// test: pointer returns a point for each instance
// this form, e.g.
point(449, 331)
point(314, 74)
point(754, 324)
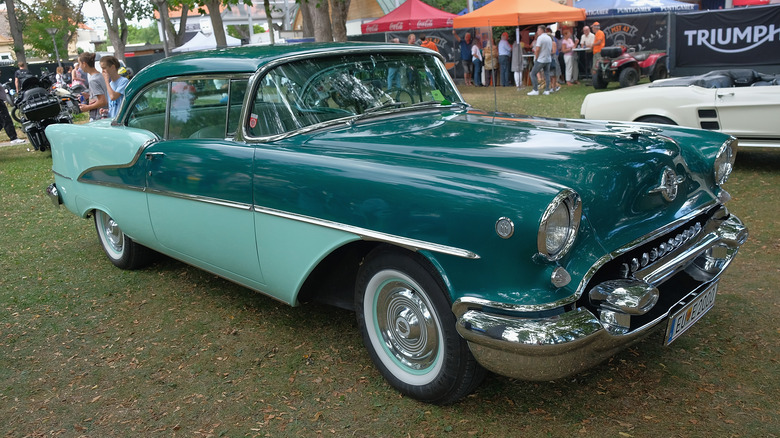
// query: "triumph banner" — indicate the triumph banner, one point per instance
point(736, 37)
point(642, 32)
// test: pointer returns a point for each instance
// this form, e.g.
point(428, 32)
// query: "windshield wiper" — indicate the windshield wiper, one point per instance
point(386, 105)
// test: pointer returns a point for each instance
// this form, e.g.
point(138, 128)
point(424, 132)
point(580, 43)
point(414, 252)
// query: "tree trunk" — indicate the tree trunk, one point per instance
point(117, 27)
point(338, 17)
point(267, 5)
point(308, 22)
point(216, 22)
point(16, 31)
point(321, 19)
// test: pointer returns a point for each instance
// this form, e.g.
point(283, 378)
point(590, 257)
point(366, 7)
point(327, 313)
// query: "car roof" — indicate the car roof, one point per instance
point(248, 59)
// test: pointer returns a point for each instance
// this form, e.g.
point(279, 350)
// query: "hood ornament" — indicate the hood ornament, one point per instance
point(623, 131)
point(669, 184)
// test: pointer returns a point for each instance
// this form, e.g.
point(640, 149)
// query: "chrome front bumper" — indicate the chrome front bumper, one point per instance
point(553, 347)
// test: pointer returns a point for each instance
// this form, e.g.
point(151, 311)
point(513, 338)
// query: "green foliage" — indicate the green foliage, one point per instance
point(451, 6)
point(242, 31)
point(38, 16)
point(143, 35)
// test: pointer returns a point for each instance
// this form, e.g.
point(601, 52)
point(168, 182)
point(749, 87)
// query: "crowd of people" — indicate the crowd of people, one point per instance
point(102, 95)
point(554, 58)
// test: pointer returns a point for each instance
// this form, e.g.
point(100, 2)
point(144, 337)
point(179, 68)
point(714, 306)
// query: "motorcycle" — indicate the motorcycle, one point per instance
point(39, 104)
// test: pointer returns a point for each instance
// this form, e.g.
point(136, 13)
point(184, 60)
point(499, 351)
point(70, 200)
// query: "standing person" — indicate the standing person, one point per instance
point(116, 84)
point(518, 63)
point(567, 47)
point(411, 39)
point(465, 55)
point(59, 78)
point(393, 75)
point(555, 67)
point(19, 75)
point(5, 118)
point(476, 59)
point(543, 57)
point(97, 87)
point(504, 58)
point(586, 42)
point(428, 43)
point(77, 75)
point(599, 41)
point(490, 57)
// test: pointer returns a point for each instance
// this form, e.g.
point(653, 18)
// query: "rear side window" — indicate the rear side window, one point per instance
point(148, 111)
point(197, 108)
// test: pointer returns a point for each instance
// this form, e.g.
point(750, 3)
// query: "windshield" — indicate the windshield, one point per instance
point(312, 91)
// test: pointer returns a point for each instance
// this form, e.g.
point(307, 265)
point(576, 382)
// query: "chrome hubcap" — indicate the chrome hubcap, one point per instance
point(407, 325)
point(114, 236)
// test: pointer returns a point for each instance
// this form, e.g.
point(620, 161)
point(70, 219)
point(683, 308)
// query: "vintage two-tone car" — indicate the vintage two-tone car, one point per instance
point(743, 103)
point(463, 240)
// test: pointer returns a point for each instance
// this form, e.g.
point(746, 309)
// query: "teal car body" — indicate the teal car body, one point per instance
point(356, 175)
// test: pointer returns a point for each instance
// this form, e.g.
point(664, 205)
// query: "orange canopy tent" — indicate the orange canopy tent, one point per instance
point(519, 13)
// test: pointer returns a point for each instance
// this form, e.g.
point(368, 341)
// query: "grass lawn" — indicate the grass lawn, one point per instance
point(90, 350)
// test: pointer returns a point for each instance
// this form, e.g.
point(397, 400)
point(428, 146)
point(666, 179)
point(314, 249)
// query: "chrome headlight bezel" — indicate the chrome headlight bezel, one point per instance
point(724, 161)
point(554, 242)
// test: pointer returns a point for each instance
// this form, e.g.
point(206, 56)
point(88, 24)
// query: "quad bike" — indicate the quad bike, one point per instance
point(626, 66)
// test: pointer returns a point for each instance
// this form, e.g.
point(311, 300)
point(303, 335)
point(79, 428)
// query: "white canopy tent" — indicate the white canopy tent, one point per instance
point(202, 41)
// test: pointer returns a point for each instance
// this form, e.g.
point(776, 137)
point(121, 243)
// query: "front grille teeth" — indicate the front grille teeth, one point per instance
point(646, 258)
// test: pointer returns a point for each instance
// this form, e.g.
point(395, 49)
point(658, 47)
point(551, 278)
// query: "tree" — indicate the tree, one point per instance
point(325, 20)
point(216, 16)
point(35, 18)
point(16, 31)
point(174, 38)
point(143, 35)
point(121, 11)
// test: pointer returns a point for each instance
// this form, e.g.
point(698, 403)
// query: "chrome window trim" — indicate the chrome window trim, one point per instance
point(371, 235)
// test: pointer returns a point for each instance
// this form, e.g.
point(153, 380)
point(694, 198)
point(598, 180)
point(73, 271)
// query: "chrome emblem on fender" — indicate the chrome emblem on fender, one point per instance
point(669, 183)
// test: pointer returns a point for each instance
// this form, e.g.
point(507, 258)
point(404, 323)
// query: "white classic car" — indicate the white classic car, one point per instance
point(743, 103)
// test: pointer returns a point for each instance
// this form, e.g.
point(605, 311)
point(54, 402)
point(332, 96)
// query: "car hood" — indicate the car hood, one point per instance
point(617, 176)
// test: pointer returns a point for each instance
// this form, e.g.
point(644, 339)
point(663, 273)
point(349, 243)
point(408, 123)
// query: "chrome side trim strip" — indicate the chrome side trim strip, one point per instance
point(61, 175)
point(203, 199)
point(370, 235)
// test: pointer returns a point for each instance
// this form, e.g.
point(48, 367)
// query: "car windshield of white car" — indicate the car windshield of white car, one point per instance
point(310, 92)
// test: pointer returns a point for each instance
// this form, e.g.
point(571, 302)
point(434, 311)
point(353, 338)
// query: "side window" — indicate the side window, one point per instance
point(198, 109)
point(148, 111)
point(236, 102)
point(272, 113)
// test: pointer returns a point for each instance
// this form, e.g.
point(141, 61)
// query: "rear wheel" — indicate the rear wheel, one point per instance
point(123, 252)
point(656, 119)
point(628, 77)
point(660, 72)
point(409, 330)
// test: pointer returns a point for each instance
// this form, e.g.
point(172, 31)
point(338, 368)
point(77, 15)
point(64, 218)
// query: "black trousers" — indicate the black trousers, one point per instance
point(7, 121)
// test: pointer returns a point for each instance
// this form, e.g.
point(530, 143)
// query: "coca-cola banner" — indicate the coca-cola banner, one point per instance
point(743, 37)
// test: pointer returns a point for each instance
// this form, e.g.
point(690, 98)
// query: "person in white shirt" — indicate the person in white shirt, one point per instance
point(586, 42)
point(504, 58)
point(542, 59)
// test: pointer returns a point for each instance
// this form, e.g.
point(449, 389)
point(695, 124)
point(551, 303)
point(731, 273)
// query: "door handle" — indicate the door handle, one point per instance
point(722, 95)
point(152, 155)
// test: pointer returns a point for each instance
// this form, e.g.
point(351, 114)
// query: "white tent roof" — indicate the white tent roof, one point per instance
point(202, 41)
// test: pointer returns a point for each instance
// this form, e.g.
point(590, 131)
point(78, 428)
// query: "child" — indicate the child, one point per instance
point(116, 84)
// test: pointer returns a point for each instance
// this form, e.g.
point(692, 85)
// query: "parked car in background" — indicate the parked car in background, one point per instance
point(356, 175)
point(743, 103)
point(625, 66)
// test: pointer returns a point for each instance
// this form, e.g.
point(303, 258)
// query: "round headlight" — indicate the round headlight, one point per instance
point(724, 162)
point(559, 225)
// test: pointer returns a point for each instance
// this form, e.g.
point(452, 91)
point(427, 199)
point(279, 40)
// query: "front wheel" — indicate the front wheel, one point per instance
point(123, 252)
point(409, 330)
point(628, 77)
point(599, 83)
